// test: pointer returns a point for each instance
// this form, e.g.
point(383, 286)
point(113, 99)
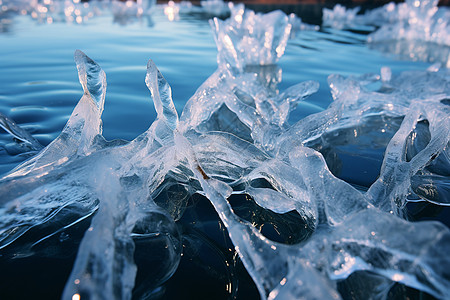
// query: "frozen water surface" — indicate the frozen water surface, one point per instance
point(334, 183)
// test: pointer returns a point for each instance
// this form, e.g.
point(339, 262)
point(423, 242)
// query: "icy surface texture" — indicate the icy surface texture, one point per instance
point(248, 38)
point(297, 25)
point(301, 181)
point(216, 7)
point(408, 96)
point(414, 20)
point(172, 10)
point(339, 17)
point(234, 138)
point(319, 197)
point(419, 20)
point(415, 29)
point(17, 132)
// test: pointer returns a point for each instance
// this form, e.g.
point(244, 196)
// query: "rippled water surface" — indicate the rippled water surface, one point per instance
point(39, 89)
point(39, 85)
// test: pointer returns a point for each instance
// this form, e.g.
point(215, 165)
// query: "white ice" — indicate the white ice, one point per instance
point(77, 12)
point(414, 29)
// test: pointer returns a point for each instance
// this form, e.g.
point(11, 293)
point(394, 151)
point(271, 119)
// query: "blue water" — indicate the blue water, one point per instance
point(39, 88)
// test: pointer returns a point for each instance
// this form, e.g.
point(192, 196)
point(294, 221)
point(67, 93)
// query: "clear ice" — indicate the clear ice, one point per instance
point(419, 20)
point(233, 134)
point(49, 11)
point(414, 29)
point(216, 7)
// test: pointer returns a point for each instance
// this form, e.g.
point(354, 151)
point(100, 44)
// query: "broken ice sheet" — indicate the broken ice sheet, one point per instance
point(219, 161)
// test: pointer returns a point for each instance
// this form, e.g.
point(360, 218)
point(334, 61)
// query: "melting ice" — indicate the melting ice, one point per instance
point(75, 11)
point(417, 30)
point(233, 134)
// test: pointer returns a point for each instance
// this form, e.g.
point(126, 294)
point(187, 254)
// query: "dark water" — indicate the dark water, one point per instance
point(39, 88)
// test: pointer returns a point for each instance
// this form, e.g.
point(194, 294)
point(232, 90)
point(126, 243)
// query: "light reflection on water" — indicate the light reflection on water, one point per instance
point(184, 51)
point(39, 85)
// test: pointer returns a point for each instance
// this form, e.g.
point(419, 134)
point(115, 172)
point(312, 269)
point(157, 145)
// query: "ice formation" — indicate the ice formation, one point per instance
point(412, 20)
point(216, 7)
point(17, 132)
point(297, 25)
point(232, 138)
point(76, 11)
point(251, 38)
point(415, 29)
point(339, 17)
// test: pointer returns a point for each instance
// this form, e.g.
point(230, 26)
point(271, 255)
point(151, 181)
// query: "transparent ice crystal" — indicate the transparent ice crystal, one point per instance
point(216, 7)
point(233, 135)
point(415, 29)
point(413, 20)
point(76, 11)
point(419, 20)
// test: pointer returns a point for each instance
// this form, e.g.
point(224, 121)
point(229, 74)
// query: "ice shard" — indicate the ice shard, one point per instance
point(248, 38)
point(22, 206)
point(100, 180)
point(104, 268)
point(414, 30)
